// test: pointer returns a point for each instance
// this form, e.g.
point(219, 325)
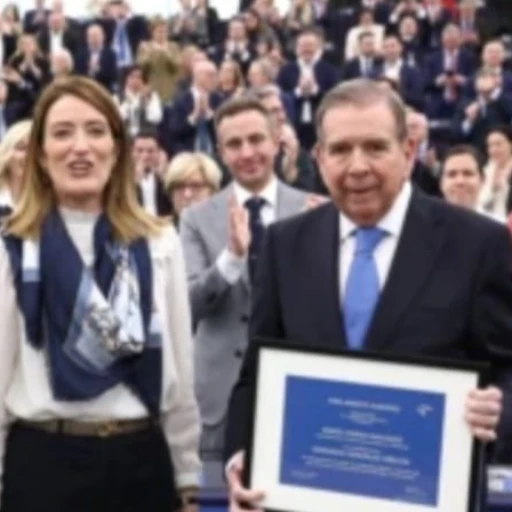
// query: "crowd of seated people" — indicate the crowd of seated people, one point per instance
point(169, 77)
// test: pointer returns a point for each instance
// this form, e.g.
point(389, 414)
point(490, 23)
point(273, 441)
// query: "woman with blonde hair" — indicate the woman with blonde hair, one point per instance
point(13, 152)
point(97, 401)
point(191, 178)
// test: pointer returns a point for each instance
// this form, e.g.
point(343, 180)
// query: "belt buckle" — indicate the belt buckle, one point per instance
point(109, 428)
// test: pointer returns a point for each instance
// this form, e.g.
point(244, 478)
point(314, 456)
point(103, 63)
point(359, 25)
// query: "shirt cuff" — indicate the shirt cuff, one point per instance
point(188, 480)
point(230, 266)
point(466, 126)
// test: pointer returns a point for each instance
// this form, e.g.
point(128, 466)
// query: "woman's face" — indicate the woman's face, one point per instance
point(499, 148)
point(190, 190)
point(18, 157)
point(78, 153)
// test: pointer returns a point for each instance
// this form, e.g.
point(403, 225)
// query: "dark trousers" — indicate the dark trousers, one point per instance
point(62, 473)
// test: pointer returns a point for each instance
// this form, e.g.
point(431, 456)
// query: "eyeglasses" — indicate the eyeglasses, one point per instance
point(191, 186)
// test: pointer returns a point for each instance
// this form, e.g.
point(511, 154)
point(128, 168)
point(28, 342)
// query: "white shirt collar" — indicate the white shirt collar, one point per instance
point(313, 62)
point(391, 223)
point(6, 197)
point(394, 65)
point(269, 193)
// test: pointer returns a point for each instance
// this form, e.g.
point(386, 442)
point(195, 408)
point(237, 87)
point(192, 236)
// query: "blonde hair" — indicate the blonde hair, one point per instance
point(15, 134)
point(186, 164)
point(128, 218)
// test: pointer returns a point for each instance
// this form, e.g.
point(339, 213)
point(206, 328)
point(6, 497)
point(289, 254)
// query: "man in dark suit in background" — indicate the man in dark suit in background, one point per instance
point(35, 19)
point(97, 60)
point(307, 79)
point(437, 280)
point(491, 107)
point(448, 72)
point(191, 119)
point(368, 64)
point(148, 173)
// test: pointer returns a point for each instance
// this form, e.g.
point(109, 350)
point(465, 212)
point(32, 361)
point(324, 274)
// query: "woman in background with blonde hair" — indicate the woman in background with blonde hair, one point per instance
point(13, 152)
point(191, 178)
point(97, 406)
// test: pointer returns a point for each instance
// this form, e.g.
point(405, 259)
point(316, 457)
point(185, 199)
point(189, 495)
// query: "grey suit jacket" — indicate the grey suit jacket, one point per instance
point(220, 310)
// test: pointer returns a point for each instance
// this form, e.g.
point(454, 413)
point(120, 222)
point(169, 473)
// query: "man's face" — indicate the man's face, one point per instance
point(392, 49)
point(95, 37)
point(248, 147)
point(362, 161)
point(308, 45)
point(451, 38)
point(237, 31)
point(274, 106)
point(461, 181)
point(367, 46)
point(493, 55)
point(205, 75)
point(145, 153)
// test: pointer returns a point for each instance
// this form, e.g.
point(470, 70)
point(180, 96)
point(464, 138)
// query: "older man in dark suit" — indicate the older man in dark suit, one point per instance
point(307, 79)
point(437, 280)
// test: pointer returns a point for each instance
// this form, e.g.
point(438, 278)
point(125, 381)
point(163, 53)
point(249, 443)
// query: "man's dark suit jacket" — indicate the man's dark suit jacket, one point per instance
point(448, 293)
point(136, 31)
point(183, 133)
point(107, 72)
point(163, 205)
point(29, 21)
point(498, 112)
point(71, 40)
point(352, 69)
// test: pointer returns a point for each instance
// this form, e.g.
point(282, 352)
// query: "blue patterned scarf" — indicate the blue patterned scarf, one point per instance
point(98, 324)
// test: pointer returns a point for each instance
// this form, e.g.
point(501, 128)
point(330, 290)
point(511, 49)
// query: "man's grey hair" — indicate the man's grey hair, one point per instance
point(363, 93)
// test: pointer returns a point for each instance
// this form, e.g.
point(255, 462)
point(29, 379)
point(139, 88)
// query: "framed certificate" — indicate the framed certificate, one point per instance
point(359, 432)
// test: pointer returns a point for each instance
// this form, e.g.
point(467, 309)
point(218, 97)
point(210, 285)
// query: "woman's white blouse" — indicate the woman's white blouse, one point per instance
point(24, 381)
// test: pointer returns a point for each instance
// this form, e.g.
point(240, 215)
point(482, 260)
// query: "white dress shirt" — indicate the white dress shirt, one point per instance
point(307, 72)
point(56, 41)
point(148, 189)
point(392, 70)
point(228, 264)
point(392, 223)
point(25, 387)
point(131, 105)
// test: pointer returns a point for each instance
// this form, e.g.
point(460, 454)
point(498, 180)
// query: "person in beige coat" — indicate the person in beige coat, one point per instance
point(161, 60)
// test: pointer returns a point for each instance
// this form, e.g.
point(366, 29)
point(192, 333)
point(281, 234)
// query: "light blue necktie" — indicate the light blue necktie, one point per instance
point(362, 287)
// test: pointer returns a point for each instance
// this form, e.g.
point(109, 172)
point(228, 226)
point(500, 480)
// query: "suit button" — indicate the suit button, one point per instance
point(239, 354)
point(244, 319)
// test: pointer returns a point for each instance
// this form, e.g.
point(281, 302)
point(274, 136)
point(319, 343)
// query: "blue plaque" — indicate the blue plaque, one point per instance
point(366, 440)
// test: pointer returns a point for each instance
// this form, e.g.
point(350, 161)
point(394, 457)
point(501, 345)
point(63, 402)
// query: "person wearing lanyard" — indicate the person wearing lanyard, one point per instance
point(97, 403)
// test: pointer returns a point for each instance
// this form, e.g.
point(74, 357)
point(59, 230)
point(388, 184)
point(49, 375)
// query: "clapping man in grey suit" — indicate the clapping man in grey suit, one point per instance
point(221, 238)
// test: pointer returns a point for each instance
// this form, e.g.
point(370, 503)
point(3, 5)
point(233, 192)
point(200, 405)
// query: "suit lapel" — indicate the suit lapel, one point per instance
point(417, 252)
